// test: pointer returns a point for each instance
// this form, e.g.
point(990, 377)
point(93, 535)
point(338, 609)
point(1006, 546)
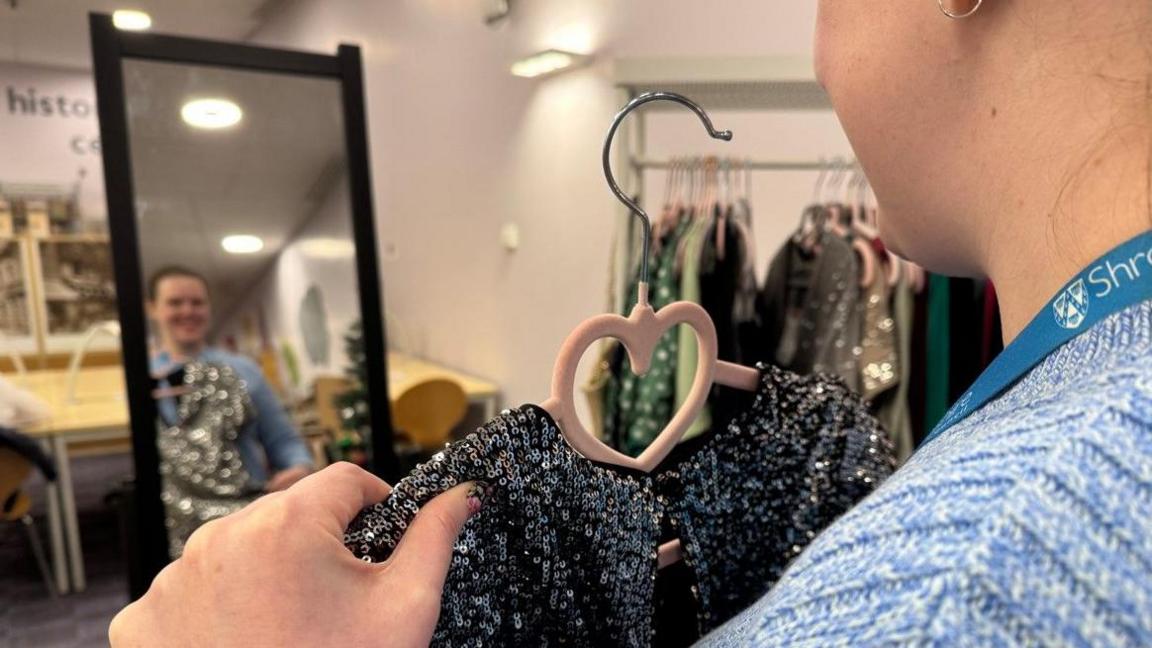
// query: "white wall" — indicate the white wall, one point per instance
point(459, 147)
point(320, 254)
point(49, 133)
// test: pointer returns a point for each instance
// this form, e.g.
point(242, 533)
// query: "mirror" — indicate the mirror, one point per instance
point(239, 205)
point(248, 260)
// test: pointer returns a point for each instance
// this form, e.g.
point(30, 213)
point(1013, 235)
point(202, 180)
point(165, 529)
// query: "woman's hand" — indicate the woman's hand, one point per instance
point(277, 573)
point(285, 478)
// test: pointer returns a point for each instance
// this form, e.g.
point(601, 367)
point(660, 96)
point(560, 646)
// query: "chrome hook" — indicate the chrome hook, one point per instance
point(645, 221)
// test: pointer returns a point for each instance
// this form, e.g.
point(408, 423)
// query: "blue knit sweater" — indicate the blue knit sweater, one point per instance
point(1029, 523)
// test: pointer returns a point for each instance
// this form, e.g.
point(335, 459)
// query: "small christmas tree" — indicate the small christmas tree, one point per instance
point(354, 438)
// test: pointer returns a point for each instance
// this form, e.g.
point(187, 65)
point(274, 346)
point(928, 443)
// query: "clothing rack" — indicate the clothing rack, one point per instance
point(641, 164)
point(744, 84)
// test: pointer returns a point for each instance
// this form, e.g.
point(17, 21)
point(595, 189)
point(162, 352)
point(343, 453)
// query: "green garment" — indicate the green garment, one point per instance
point(939, 320)
point(690, 291)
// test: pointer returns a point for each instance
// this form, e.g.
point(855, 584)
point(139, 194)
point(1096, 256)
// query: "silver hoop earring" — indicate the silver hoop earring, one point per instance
point(958, 16)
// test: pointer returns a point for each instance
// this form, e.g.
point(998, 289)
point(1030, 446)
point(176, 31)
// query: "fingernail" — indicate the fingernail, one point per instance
point(476, 496)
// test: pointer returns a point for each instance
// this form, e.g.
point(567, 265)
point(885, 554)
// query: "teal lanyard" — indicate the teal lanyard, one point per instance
point(1117, 280)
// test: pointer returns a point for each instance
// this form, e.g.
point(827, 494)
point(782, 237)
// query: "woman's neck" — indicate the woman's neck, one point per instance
point(182, 353)
point(1038, 250)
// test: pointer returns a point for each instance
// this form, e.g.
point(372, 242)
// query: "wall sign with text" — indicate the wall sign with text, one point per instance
point(51, 136)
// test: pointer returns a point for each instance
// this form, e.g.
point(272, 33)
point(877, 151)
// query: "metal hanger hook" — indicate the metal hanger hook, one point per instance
point(647, 97)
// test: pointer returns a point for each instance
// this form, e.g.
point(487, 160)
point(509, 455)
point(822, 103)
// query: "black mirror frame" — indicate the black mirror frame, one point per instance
point(148, 550)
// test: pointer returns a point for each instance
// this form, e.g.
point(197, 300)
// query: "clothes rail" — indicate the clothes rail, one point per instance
point(757, 165)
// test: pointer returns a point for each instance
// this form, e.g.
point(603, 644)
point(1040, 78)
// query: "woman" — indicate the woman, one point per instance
point(1010, 140)
point(272, 451)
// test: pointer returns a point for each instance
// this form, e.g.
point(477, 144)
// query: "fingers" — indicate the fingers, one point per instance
point(425, 551)
point(120, 633)
point(135, 623)
point(335, 495)
point(285, 478)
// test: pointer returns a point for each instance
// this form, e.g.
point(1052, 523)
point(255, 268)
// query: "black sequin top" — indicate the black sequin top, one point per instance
point(564, 550)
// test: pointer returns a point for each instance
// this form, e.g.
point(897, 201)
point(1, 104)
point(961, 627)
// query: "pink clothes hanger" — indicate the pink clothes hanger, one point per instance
point(869, 211)
point(639, 333)
point(836, 225)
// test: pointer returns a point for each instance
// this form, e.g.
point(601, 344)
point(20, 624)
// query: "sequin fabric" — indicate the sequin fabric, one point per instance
point(809, 307)
point(564, 550)
point(876, 356)
point(201, 472)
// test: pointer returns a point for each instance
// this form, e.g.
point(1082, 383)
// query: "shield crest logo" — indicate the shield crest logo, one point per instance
point(1071, 307)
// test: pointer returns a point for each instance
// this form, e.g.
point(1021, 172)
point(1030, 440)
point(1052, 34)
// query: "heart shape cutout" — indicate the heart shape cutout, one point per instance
point(639, 333)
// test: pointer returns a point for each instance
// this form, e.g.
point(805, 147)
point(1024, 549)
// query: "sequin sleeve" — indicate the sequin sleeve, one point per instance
point(752, 499)
point(376, 531)
point(563, 552)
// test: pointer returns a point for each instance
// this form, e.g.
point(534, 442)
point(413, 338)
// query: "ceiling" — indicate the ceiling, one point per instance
point(55, 32)
point(266, 176)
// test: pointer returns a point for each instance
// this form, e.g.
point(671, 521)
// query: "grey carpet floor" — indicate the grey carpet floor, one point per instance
point(29, 615)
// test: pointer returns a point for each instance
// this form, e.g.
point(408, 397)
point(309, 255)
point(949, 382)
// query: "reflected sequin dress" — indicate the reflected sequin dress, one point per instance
point(202, 475)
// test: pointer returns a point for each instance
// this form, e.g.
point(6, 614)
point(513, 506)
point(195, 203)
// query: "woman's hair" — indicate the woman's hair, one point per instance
point(172, 271)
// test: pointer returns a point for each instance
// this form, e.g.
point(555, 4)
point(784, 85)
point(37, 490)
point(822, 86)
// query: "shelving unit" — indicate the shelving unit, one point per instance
point(52, 289)
point(17, 315)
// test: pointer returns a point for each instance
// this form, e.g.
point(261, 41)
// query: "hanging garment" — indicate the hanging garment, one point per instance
point(719, 280)
point(639, 406)
point(692, 245)
point(878, 361)
point(720, 274)
point(918, 382)
point(613, 393)
point(564, 550)
point(780, 303)
point(894, 412)
point(744, 307)
point(828, 334)
point(201, 472)
point(938, 356)
point(594, 388)
point(966, 335)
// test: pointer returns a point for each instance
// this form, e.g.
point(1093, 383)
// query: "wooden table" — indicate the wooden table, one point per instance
point(100, 413)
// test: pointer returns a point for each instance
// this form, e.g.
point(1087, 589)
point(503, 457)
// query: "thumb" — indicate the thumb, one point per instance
point(425, 551)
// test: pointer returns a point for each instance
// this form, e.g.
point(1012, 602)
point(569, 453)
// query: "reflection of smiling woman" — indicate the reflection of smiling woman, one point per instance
point(179, 307)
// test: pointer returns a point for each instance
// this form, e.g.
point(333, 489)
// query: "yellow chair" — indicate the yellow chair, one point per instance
point(427, 412)
point(15, 505)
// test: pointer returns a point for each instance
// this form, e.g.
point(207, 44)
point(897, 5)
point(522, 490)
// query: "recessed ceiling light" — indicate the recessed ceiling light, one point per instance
point(546, 62)
point(328, 248)
point(131, 20)
point(242, 244)
point(211, 113)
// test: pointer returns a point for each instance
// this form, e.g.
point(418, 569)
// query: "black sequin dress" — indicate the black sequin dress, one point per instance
point(564, 550)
